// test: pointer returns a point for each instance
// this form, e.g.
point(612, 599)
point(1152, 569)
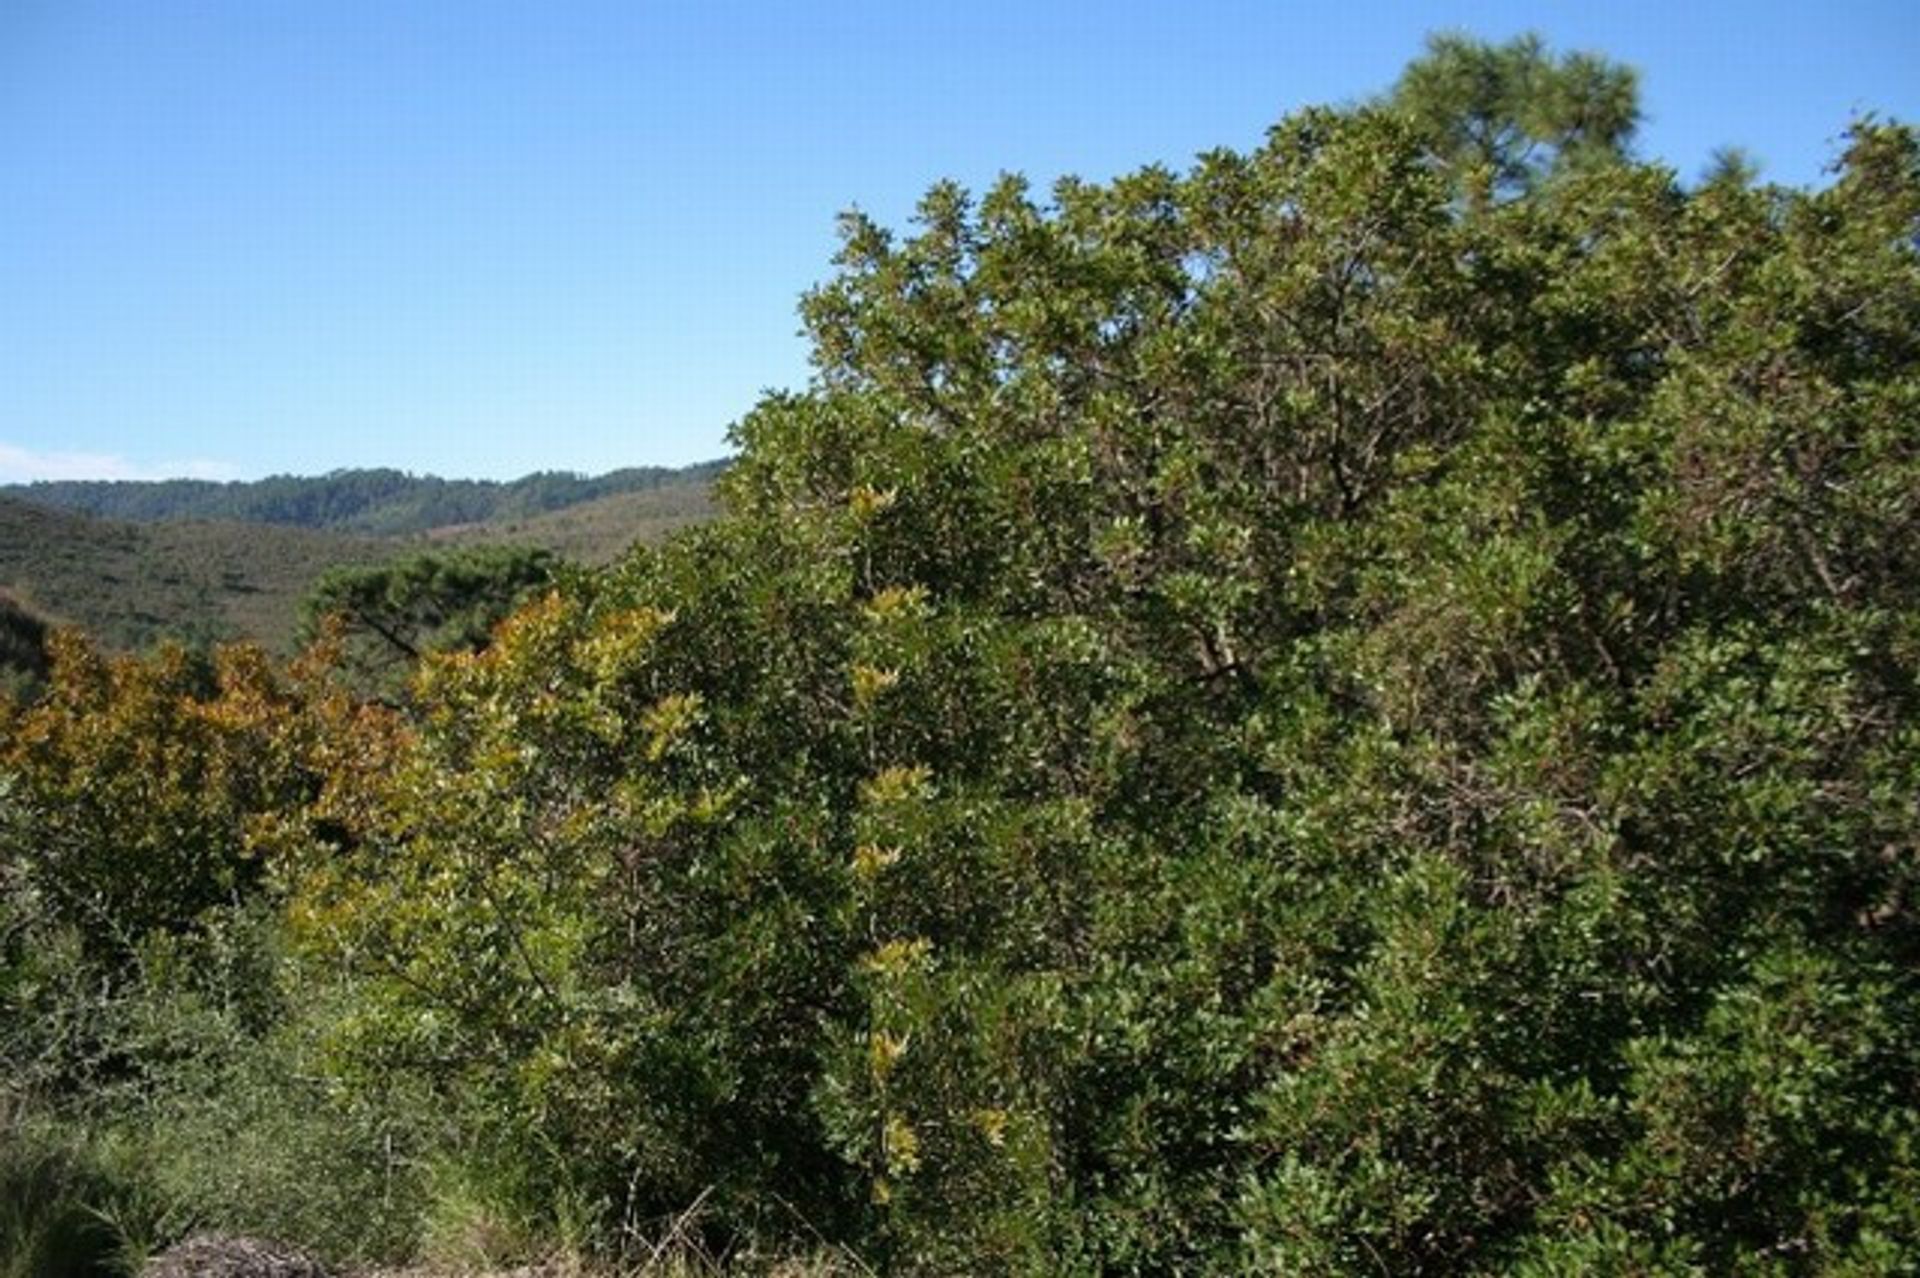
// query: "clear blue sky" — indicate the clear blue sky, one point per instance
point(483, 238)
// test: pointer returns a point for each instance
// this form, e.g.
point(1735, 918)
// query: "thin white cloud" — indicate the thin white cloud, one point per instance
point(26, 465)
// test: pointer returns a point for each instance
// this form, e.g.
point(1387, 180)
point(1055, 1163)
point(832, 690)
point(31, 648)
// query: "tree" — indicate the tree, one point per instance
point(392, 615)
point(23, 648)
point(1502, 117)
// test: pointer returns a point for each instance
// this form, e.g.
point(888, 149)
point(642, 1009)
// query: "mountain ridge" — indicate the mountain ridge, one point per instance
point(371, 500)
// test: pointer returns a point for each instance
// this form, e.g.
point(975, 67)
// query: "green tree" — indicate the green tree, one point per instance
point(391, 615)
point(1501, 117)
point(1250, 719)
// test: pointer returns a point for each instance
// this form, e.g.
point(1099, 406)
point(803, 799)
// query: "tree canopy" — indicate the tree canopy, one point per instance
point(1502, 117)
point(396, 613)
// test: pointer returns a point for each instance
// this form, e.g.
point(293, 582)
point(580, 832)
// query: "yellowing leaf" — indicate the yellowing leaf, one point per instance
point(899, 955)
point(884, 1051)
point(869, 859)
point(901, 1146)
point(992, 1124)
point(897, 603)
point(669, 719)
point(866, 501)
point(869, 682)
point(895, 784)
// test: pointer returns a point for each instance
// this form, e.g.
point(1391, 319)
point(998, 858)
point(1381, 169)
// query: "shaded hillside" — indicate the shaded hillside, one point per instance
point(132, 584)
point(23, 645)
point(381, 502)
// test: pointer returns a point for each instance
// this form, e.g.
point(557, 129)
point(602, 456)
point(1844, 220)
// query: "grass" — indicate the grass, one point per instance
point(63, 1212)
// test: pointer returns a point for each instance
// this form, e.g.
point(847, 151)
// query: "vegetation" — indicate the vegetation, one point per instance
point(1332, 713)
point(133, 585)
point(394, 614)
point(1500, 119)
point(23, 647)
point(198, 581)
point(595, 532)
point(377, 502)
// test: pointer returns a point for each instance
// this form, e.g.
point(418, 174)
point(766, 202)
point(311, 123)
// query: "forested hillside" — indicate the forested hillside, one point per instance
point(1352, 709)
point(382, 502)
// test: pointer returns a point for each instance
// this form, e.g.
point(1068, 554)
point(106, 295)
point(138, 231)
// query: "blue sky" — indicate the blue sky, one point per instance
point(482, 238)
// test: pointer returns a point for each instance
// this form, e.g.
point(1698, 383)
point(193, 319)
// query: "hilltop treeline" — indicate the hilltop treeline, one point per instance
point(378, 502)
point(1355, 709)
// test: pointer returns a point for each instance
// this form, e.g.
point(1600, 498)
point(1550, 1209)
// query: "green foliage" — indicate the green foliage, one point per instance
point(159, 1061)
point(1269, 719)
point(23, 648)
point(1260, 719)
point(1502, 117)
point(234, 1121)
point(202, 1102)
point(389, 616)
point(55, 1204)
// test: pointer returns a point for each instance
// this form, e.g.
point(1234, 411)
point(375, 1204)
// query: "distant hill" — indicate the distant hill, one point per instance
point(132, 584)
point(377, 502)
point(598, 531)
point(164, 569)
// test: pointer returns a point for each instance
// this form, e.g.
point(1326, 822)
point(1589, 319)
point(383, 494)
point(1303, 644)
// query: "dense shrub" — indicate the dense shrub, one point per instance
point(1256, 719)
point(157, 1058)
